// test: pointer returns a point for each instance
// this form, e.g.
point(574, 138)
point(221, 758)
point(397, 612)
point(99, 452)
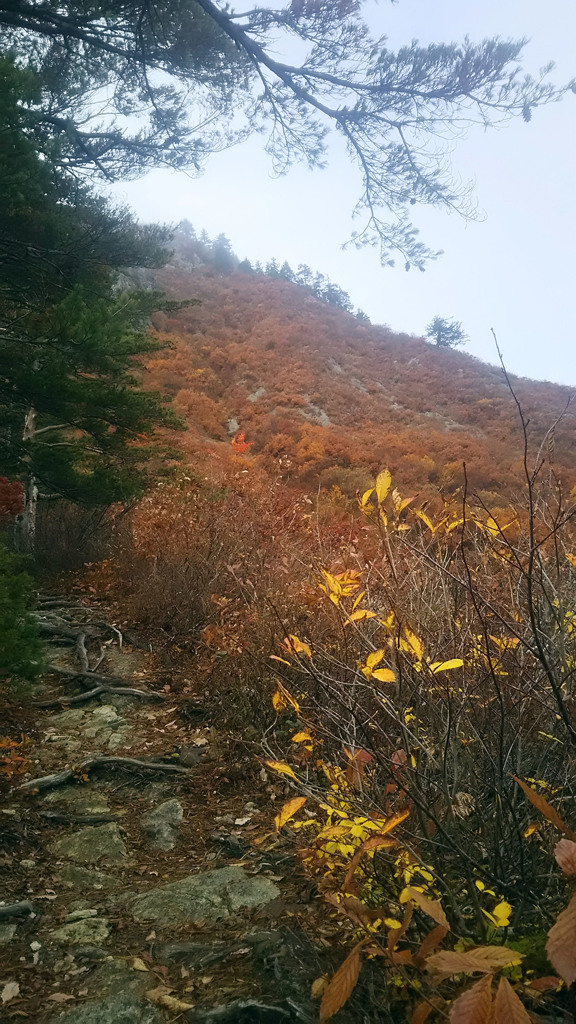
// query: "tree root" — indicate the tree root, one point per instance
point(59, 778)
point(81, 698)
point(78, 819)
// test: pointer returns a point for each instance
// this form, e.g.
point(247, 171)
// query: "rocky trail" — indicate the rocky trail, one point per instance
point(140, 878)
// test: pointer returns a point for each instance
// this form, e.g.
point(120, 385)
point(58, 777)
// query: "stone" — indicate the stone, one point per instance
point(80, 915)
point(89, 931)
point(242, 1011)
point(85, 799)
point(7, 933)
point(161, 824)
point(210, 895)
point(85, 878)
point(118, 1008)
point(100, 844)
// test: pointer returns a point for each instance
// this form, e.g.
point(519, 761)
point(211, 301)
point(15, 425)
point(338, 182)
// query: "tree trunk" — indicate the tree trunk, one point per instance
point(25, 527)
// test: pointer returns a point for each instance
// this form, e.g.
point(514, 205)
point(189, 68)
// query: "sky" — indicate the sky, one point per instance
point(512, 269)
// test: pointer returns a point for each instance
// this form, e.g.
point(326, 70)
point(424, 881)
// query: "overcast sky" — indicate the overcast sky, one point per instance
point(514, 269)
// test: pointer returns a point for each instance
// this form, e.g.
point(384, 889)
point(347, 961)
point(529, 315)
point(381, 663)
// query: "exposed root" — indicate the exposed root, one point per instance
point(81, 698)
point(58, 817)
point(59, 778)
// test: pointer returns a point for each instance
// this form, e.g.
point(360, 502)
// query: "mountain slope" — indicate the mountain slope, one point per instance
point(323, 397)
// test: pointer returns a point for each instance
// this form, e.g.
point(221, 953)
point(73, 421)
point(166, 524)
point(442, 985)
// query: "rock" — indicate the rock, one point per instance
point(85, 799)
point(28, 864)
point(210, 895)
point(90, 931)
point(100, 844)
point(196, 955)
point(90, 953)
point(241, 1011)
point(118, 1008)
point(190, 756)
point(84, 878)
point(7, 933)
point(230, 845)
point(80, 915)
point(161, 824)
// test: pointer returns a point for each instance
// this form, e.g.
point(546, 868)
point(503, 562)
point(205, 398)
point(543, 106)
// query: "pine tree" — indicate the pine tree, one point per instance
point(73, 421)
point(185, 78)
point(446, 333)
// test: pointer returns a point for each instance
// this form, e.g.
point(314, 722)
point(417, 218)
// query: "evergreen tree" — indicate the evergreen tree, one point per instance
point(223, 259)
point(245, 267)
point(446, 333)
point(286, 272)
point(184, 78)
point(304, 275)
point(73, 421)
point(272, 269)
point(21, 652)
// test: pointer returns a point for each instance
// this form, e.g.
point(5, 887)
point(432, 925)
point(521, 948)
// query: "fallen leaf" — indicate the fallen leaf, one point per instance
point(243, 821)
point(10, 991)
point(318, 987)
point(60, 997)
point(161, 996)
point(137, 964)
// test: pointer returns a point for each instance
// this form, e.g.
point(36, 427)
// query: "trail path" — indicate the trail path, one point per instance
point(145, 898)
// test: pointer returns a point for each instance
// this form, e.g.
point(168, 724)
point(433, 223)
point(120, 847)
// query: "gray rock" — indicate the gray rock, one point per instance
point(210, 895)
point(161, 824)
point(85, 799)
point(85, 878)
point(100, 844)
point(118, 1008)
point(89, 931)
point(241, 1011)
point(80, 915)
point(7, 933)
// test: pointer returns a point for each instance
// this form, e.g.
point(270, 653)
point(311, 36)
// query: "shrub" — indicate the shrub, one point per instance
point(21, 653)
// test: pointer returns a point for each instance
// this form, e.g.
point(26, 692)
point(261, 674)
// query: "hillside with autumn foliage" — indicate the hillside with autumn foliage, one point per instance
point(324, 398)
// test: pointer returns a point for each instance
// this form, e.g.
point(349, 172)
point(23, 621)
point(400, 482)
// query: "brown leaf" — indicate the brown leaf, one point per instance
point(429, 943)
point(421, 1012)
point(59, 997)
point(548, 984)
point(507, 1007)
point(561, 945)
point(474, 1006)
point(431, 907)
point(355, 909)
point(341, 985)
point(544, 807)
point(565, 854)
point(483, 959)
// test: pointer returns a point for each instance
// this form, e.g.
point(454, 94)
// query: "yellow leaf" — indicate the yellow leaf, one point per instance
point(361, 615)
point(501, 914)
point(283, 769)
point(274, 657)
point(341, 986)
point(282, 699)
point(289, 810)
point(422, 515)
point(384, 675)
point(358, 599)
point(446, 666)
point(292, 643)
point(318, 988)
point(161, 996)
point(301, 737)
point(333, 584)
point(414, 643)
point(366, 497)
point(383, 482)
point(137, 964)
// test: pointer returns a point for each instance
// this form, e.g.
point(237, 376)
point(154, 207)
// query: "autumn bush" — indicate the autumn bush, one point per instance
point(436, 743)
